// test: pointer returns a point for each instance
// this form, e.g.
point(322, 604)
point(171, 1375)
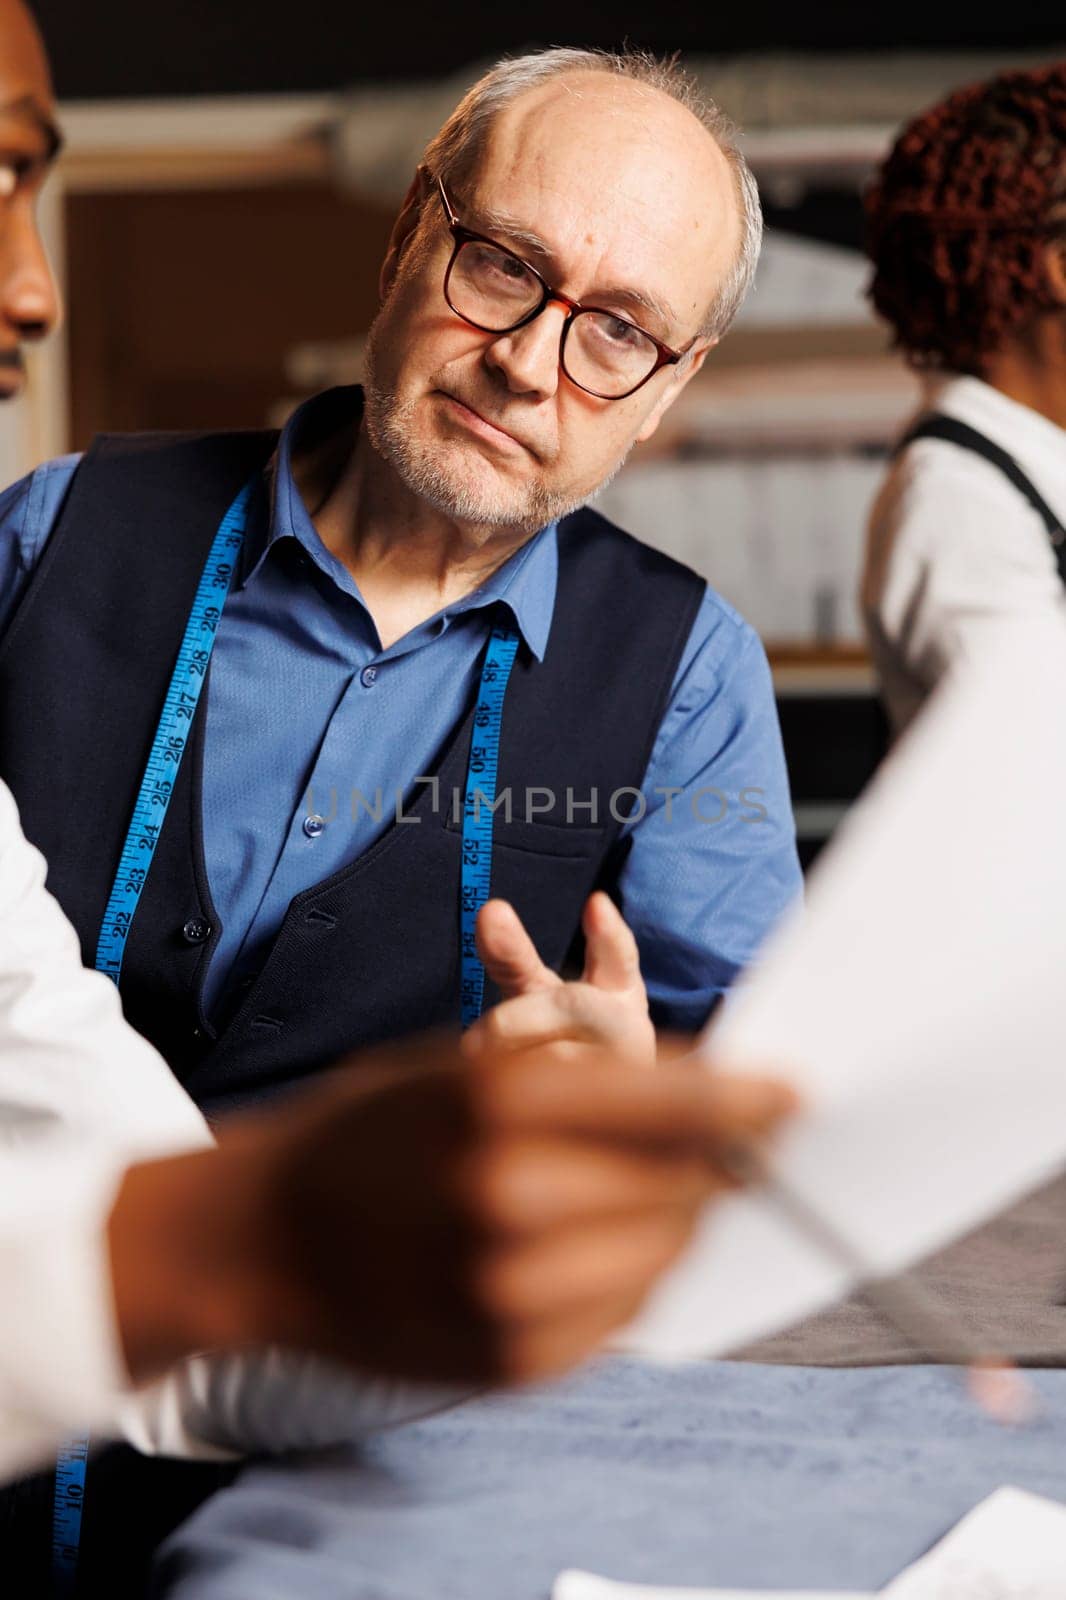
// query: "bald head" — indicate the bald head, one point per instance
point(624, 163)
point(627, 112)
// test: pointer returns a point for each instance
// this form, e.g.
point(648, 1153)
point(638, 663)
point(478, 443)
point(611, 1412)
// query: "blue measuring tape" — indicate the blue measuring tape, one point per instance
point(66, 1512)
point(168, 746)
point(153, 798)
point(478, 814)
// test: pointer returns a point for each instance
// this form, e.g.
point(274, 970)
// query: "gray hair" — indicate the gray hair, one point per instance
point(452, 153)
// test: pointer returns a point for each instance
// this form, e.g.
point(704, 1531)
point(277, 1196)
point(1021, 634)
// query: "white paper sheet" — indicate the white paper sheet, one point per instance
point(919, 1004)
point(575, 1585)
point(1010, 1547)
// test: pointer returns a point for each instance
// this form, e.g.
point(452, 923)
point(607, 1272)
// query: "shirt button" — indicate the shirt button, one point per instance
point(196, 930)
point(313, 825)
point(368, 677)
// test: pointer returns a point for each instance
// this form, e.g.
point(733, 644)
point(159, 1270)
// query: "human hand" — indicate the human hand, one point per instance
point(494, 1220)
point(422, 1216)
point(606, 1008)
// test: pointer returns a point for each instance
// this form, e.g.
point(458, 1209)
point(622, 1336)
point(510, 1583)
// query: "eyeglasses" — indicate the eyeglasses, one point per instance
point(497, 291)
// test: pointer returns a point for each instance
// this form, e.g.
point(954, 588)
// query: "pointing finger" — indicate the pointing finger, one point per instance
point(611, 957)
point(509, 955)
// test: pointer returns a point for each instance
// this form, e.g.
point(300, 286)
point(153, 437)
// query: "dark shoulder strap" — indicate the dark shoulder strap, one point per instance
point(937, 426)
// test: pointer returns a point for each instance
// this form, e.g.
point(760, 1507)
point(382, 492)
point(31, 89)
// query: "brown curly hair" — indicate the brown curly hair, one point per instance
point(960, 214)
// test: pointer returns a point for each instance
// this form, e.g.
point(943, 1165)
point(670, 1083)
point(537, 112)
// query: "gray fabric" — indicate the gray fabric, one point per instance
point(1006, 1282)
point(720, 1473)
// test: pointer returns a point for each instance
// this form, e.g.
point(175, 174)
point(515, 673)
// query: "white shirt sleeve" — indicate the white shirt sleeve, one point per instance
point(222, 1406)
point(954, 552)
point(82, 1096)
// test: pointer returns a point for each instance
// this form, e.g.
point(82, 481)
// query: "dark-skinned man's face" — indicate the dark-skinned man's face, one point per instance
point(29, 303)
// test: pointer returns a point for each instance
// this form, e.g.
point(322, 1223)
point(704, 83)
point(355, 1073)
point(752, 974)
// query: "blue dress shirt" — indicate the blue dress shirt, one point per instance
point(309, 718)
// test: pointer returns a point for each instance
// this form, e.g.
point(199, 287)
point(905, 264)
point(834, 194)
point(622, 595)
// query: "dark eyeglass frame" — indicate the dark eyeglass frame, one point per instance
point(665, 356)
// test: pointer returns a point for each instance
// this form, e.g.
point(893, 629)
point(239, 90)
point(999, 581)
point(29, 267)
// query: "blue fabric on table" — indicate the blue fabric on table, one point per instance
point(713, 1474)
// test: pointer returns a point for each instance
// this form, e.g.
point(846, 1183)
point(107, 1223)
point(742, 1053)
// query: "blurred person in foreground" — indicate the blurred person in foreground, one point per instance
point(575, 241)
point(426, 1215)
point(967, 233)
point(415, 1216)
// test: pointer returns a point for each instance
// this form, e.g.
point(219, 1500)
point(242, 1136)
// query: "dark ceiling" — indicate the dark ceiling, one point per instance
point(130, 47)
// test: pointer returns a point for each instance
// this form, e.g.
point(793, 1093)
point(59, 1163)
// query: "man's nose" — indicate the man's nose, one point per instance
point(29, 298)
point(528, 358)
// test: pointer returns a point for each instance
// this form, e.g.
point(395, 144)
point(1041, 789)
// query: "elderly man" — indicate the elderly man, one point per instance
point(429, 672)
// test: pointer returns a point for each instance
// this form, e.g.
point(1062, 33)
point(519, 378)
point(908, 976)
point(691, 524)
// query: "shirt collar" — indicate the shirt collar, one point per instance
point(525, 583)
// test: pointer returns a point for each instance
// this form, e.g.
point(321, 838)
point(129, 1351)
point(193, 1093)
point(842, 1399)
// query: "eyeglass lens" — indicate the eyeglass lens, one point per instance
point(495, 290)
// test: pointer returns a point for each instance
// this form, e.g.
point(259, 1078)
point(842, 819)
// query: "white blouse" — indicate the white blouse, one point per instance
point(954, 550)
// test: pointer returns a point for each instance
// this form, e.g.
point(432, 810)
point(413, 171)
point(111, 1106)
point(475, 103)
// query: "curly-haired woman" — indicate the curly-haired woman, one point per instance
point(967, 233)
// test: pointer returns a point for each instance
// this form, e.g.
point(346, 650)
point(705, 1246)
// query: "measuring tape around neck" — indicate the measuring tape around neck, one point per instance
point(172, 735)
point(478, 814)
point(150, 808)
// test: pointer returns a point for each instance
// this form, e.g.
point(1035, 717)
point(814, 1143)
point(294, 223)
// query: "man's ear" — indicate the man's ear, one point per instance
point(403, 229)
point(683, 373)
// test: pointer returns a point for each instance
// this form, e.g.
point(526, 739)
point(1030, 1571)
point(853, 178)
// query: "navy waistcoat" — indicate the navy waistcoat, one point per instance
point(372, 952)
